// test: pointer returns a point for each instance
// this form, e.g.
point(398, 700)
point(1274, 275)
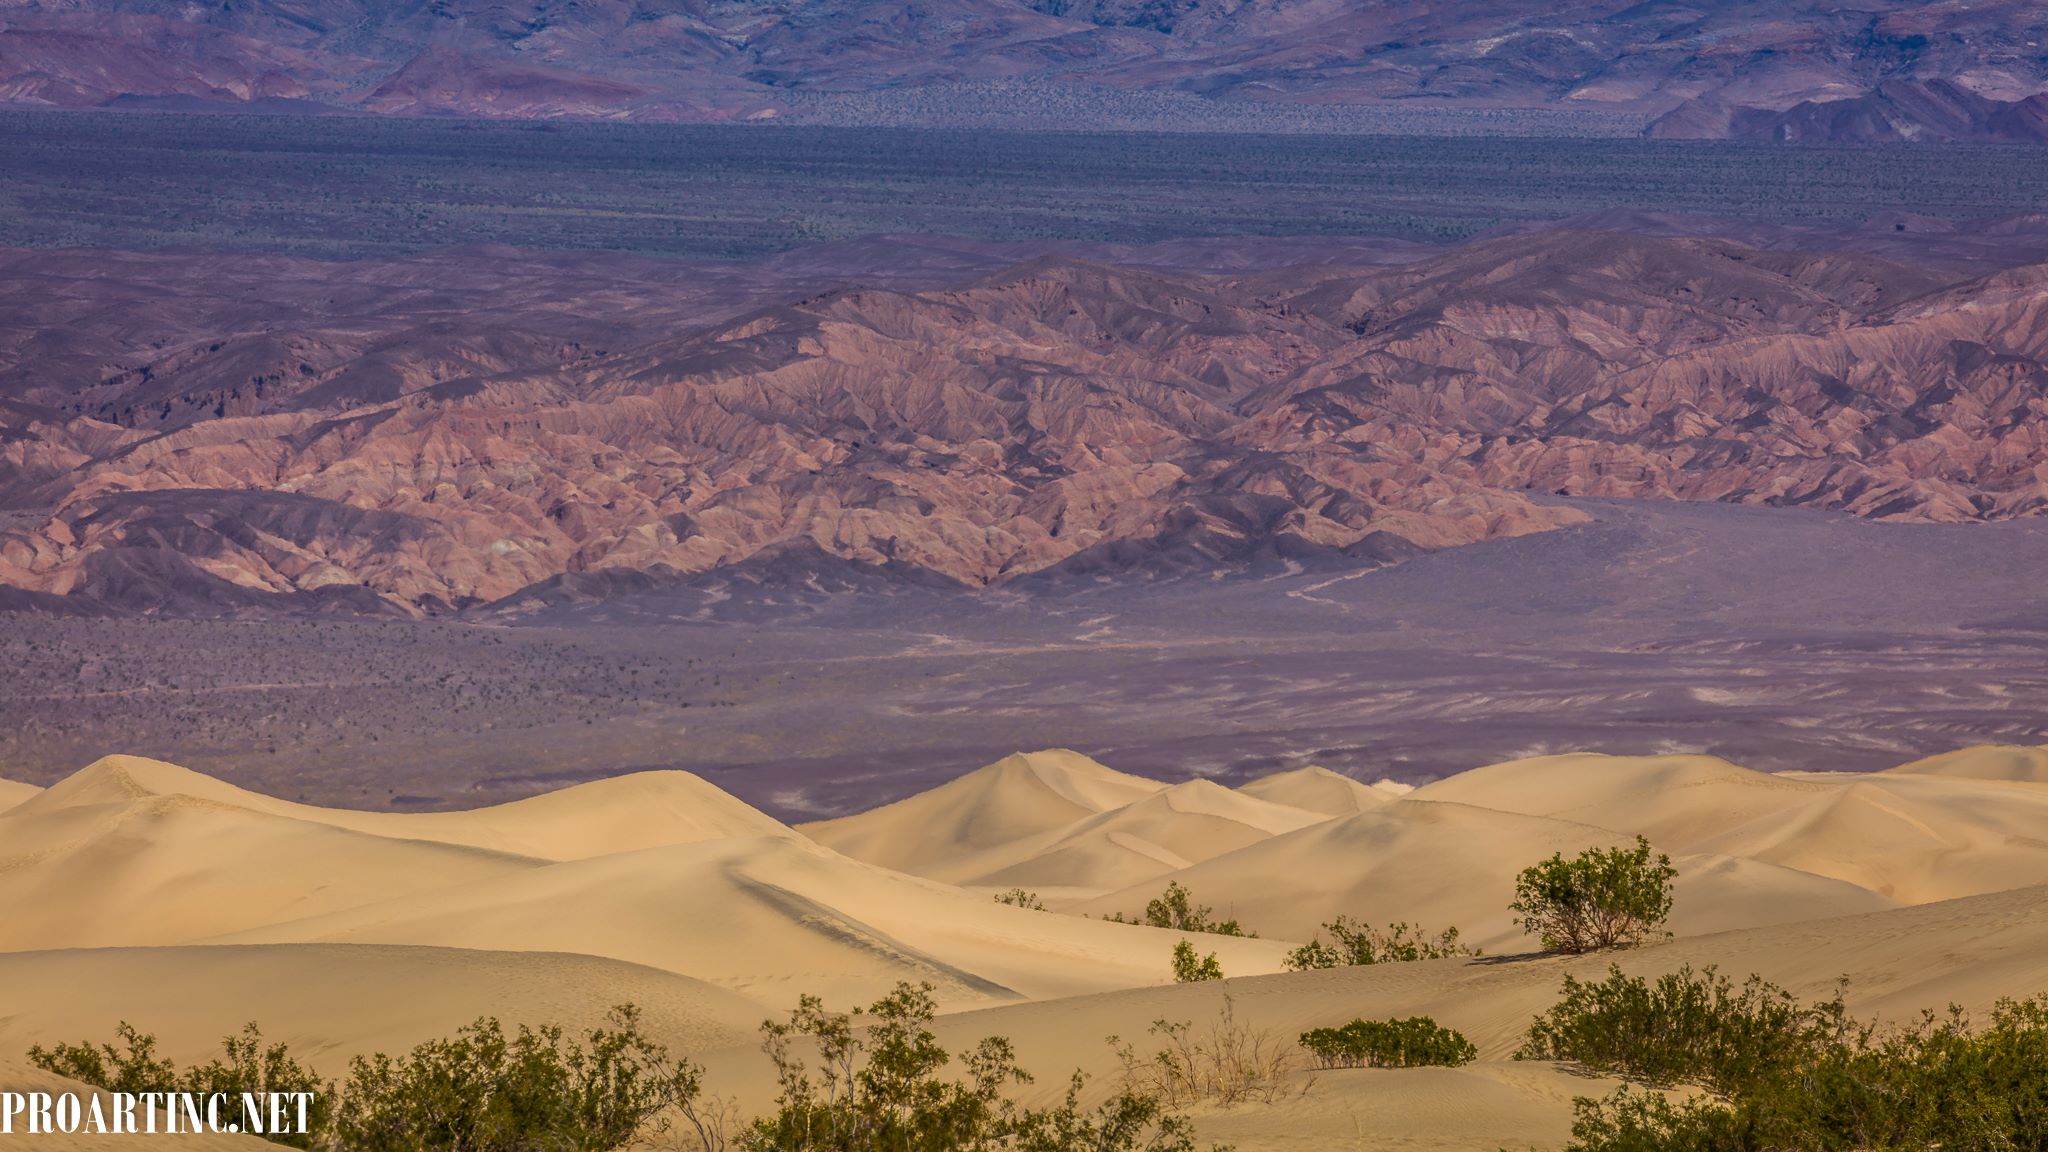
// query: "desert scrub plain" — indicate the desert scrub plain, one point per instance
point(365, 187)
point(1641, 630)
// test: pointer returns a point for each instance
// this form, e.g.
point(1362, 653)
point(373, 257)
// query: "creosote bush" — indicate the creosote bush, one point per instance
point(878, 1086)
point(1357, 943)
point(1682, 1028)
point(873, 1080)
point(1019, 898)
point(1176, 909)
point(1189, 967)
point(1602, 898)
point(487, 1091)
point(1415, 1042)
point(246, 1065)
point(1784, 1076)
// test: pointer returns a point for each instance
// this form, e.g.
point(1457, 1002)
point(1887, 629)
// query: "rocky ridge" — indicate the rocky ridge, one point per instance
point(1061, 418)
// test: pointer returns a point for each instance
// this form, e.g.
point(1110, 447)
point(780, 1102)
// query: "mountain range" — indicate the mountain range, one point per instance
point(1888, 69)
point(197, 434)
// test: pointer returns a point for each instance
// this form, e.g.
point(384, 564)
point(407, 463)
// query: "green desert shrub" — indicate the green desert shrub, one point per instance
point(1019, 898)
point(1190, 967)
point(1602, 898)
point(132, 1068)
point(246, 1065)
point(1128, 1121)
point(1415, 1042)
point(1356, 943)
point(874, 1080)
point(1632, 1120)
point(1176, 909)
point(1781, 1076)
point(1685, 1027)
point(879, 1085)
point(486, 1090)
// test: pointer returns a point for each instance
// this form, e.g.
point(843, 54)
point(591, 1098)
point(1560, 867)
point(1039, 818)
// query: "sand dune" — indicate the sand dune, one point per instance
point(1676, 801)
point(340, 1001)
point(1956, 825)
point(1444, 865)
point(331, 1002)
point(1314, 789)
point(12, 793)
point(348, 932)
point(1911, 839)
point(622, 814)
point(129, 851)
point(773, 918)
point(2010, 762)
point(639, 810)
point(1969, 952)
point(134, 852)
point(1019, 796)
point(1164, 832)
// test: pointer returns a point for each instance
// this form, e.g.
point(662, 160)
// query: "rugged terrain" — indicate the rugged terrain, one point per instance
point(1505, 66)
point(415, 436)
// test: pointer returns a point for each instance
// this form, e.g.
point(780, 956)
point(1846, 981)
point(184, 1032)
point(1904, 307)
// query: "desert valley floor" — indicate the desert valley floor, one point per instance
point(136, 889)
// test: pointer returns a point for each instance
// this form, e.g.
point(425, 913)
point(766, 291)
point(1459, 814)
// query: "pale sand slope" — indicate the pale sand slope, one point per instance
point(1441, 865)
point(640, 810)
point(330, 1003)
point(1023, 795)
point(20, 1076)
point(1971, 824)
point(12, 793)
point(1674, 800)
point(1314, 789)
point(1971, 951)
point(1164, 832)
point(2013, 763)
point(100, 859)
point(134, 853)
point(771, 915)
point(1067, 828)
point(774, 918)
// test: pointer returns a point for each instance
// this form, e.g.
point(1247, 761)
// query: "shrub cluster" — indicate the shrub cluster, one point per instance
point(1176, 909)
point(873, 1080)
point(1415, 1042)
point(1685, 1027)
point(1780, 1074)
point(1190, 967)
point(489, 1091)
point(1019, 898)
point(1602, 898)
point(1357, 943)
point(878, 1084)
point(246, 1065)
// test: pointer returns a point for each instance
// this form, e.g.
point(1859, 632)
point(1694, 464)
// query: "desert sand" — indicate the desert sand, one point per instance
point(12, 793)
point(138, 890)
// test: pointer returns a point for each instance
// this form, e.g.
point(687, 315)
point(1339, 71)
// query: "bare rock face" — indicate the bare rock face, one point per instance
point(1793, 69)
point(407, 454)
point(1894, 111)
